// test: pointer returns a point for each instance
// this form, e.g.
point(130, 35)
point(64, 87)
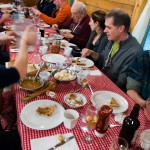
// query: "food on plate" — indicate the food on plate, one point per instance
point(79, 62)
point(60, 138)
point(114, 103)
point(63, 75)
point(64, 31)
point(64, 43)
point(74, 100)
point(31, 69)
point(8, 27)
point(30, 84)
point(47, 111)
point(14, 46)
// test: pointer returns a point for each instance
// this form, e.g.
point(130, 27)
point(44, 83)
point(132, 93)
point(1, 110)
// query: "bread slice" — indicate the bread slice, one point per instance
point(79, 62)
point(114, 103)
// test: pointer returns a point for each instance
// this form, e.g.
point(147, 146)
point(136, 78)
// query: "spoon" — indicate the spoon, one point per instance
point(41, 65)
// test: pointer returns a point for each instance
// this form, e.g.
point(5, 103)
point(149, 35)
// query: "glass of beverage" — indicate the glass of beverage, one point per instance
point(84, 77)
point(91, 117)
point(55, 46)
point(147, 109)
point(118, 143)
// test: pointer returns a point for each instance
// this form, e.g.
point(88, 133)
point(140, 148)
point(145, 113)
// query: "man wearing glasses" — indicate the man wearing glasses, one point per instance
point(120, 50)
point(79, 25)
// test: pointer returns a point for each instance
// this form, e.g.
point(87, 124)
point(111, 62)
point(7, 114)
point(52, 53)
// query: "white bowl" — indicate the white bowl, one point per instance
point(44, 75)
point(145, 139)
point(66, 97)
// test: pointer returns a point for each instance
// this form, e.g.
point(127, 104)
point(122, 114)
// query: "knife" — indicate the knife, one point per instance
point(59, 144)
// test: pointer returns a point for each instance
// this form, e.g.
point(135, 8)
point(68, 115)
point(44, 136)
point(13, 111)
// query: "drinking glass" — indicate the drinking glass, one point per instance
point(91, 117)
point(118, 143)
point(147, 109)
point(84, 77)
point(55, 46)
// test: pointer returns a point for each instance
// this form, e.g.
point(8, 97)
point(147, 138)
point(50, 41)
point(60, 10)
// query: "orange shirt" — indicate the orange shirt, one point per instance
point(63, 15)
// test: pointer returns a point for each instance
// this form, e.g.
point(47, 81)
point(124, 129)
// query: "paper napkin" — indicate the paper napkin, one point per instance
point(47, 142)
point(95, 72)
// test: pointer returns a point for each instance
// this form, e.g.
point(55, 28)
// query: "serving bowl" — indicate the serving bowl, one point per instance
point(64, 75)
point(75, 100)
point(30, 85)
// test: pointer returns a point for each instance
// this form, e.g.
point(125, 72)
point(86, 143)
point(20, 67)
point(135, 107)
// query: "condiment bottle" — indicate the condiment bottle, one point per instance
point(130, 126)
point(102, 124)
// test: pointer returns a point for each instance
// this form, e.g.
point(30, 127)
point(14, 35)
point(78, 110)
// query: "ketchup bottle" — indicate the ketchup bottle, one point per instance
point(103, 120)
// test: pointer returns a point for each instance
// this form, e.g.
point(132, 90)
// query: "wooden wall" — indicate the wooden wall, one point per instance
point(132, 7)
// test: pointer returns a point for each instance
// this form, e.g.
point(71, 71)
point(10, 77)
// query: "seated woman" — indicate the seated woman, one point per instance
point(98, 38)
point(47, 7)
point(138, 80)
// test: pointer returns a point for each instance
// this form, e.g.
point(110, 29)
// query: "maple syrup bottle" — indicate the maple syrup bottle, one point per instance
point(130, 126)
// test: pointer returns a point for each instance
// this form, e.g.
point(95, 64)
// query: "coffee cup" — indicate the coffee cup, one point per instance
point(44, 75)
point(68, 51)
point(70, 118)
point(43, 49)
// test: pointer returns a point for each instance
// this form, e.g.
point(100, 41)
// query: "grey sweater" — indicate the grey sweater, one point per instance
point(121, 60)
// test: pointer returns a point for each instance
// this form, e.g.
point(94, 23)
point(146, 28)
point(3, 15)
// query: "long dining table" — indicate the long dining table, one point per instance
point(98, 83)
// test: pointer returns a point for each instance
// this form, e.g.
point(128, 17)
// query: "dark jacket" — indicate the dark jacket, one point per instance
point(99, 45)
point(120, 62)
point(80, 31)
point(46, 7)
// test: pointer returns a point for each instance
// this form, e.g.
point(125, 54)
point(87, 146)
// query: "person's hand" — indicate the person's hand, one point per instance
point(29, 36)
point(68, 35)
point(36, 12)
point(5, 17)
point(86, 52)
point(142, 103)
point(10, 33)
point(55, 26)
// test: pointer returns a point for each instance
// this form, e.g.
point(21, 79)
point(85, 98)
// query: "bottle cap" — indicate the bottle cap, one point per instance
point(99, 134)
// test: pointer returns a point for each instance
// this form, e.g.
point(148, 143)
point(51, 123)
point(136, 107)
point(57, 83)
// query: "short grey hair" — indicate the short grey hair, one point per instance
point(81, 6)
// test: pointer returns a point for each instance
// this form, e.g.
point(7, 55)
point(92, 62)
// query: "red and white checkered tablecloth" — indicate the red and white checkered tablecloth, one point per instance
point(97, 83)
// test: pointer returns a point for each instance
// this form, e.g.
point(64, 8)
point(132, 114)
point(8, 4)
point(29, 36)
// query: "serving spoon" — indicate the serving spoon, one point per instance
point(41, 65)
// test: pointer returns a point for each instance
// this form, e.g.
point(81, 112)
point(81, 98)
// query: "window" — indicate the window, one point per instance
point(146, 39)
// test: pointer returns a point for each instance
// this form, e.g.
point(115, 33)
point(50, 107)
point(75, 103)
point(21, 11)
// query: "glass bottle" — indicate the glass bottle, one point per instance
point(131, 125)
point(103, 120)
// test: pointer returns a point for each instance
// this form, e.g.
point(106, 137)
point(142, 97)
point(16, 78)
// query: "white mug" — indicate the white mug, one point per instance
point(68, 51)
point(43, 49)
point(70, 118)
point(44, 75)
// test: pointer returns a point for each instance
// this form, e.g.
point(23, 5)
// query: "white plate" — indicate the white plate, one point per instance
point(43, 25)
point(71, 44)
point(78, 95)
point(33, 120)
point(6, 5)
point(6, 27)
point(100, 98)
point(88, 62)
point(53, 58)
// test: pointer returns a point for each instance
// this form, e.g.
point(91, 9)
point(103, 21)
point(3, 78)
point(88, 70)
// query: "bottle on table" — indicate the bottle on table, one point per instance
point(130, 126)
point(103, 120)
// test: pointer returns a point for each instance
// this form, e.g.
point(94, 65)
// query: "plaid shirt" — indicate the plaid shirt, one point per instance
point(139, 75)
